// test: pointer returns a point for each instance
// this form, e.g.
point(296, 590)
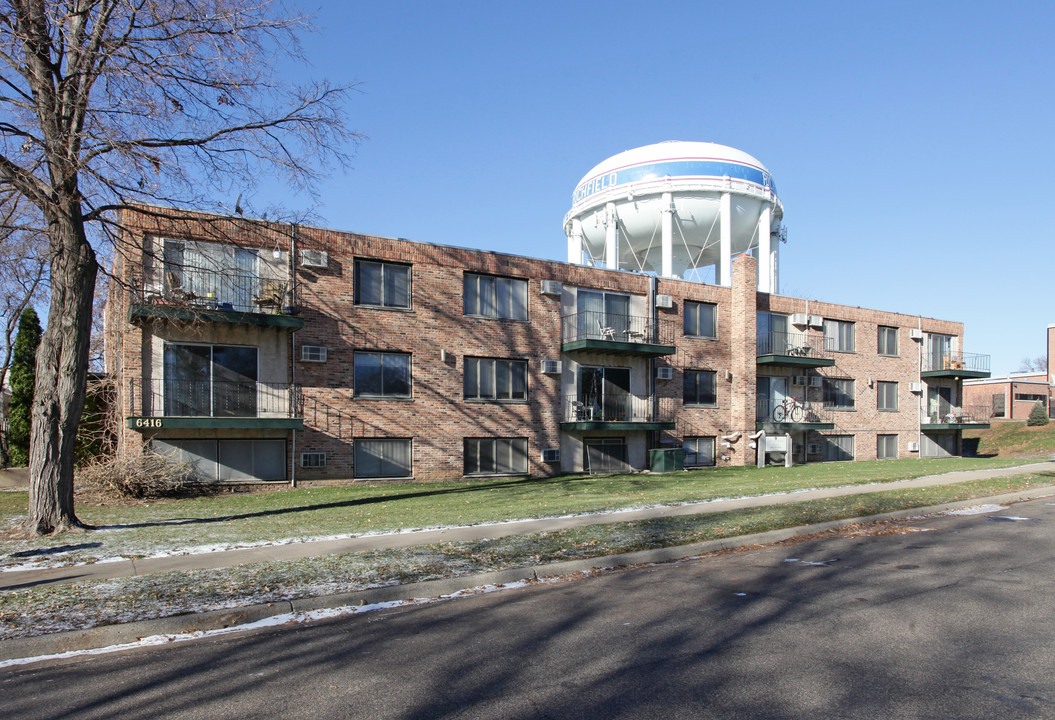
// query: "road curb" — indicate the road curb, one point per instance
point(106, 635)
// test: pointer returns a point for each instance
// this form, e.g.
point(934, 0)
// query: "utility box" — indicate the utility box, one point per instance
point(663, 460)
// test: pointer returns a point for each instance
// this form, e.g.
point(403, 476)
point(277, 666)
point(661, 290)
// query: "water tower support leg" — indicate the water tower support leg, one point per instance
point(667, 247)
point(611, 238)
point(723, 271)
point(765, 257)
point(575, 242)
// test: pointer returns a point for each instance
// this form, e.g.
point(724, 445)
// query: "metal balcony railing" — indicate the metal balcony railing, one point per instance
point(966, 415)
point(609, 327)
point(792, 412)
point(972, 362)
point(792, 345)
point(214, 288)
point(203, 398)
point(617, 408)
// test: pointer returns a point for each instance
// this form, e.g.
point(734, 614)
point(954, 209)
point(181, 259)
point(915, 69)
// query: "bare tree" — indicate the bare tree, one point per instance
point(1037, 364)
point(107, 105)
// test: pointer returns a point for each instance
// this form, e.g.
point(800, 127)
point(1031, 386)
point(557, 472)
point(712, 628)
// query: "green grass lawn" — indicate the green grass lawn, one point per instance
point(177, 525)
point(1012, 439)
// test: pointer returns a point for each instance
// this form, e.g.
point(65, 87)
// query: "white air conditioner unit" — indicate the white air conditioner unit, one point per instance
point(913, 447)
point(551, 367)
point(313, 459)
point(800, 319)
point(915, 387)
point(313, 353)
point(551, 287)
point(799, 380)
point(915, 333)
point(816, 381)
point(813, 448)
point(664, 372)
point(550, 455)
point(816, 321)
point(314, 258)
point(664, 301)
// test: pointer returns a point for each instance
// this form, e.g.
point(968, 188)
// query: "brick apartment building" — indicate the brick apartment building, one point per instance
point(274, 352)
point(1012, 396)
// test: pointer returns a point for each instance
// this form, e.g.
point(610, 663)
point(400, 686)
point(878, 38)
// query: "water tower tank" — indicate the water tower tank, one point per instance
point(677, 209)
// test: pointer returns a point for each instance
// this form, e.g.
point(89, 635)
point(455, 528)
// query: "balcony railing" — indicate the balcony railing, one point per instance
point(214, 288)
point(609, 327)
point(795, 346)
point(198, 398)
point(956, 361)
point(967, 415)
point(618, 408)
point(793, 412)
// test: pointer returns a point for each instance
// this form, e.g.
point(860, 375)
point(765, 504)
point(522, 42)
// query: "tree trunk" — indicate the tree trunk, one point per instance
point(62, 372)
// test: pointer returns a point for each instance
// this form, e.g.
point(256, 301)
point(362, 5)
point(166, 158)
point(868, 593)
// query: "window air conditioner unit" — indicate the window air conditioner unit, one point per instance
point(913, 447)
point(551, 367)
point(313, 459)
point(915, 387)
point(816, 381)
point(550, 455)
point(664, 301)
point(800, 319)
point(816, 321)
point(551, 287)
point(313, 353)
point(915, 334)
point(314, 259)
point(665, 372)
point(813, 448)
point(799, 380)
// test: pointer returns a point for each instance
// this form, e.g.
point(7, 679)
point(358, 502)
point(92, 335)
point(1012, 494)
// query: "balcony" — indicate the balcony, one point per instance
point(955, 365)
point(618, 412)
point(968, 417)
point(791, 414)
point(187, 292)
point(178, 404)
point(781, 348)
point(616, 334)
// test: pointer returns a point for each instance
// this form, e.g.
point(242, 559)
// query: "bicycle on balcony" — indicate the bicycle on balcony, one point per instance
point(788, 410)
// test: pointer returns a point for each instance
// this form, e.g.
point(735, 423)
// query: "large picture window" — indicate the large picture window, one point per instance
point(382, 284)
point(699, 319)
point(838, 448)
point(496, 456)
point(699, 388)
point(382, 374)
point(382, 457)
point(210, 380)
point(495, 297)
point(699, 451)
point(495, 379)
point(886, 396)
point(839, 335)
point(838, 394)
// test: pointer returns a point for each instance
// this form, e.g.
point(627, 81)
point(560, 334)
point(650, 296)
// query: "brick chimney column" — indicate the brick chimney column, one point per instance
point(743, 358)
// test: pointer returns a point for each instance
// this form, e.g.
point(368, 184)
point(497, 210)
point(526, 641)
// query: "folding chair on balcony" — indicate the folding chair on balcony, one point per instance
point(175, 288)
point(271, 295)
point(607, 333)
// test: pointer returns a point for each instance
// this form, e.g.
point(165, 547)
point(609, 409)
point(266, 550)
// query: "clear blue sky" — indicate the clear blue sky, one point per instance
point(911, 142)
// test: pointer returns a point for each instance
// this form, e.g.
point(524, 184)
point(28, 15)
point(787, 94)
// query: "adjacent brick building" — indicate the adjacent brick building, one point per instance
point(1013, 396)
point(267, 351)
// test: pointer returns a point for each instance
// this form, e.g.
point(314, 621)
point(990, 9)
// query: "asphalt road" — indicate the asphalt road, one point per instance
point(954, 622)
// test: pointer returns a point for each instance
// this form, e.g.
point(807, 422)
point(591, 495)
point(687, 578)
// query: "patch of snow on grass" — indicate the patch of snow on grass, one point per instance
point(976, 509)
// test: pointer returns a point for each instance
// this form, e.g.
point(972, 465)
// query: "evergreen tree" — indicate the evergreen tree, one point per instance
point(23, 380)
point(1038, 415)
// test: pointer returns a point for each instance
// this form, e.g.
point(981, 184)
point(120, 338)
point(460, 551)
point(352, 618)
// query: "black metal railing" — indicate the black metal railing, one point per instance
point(609, 327)
point(966, 415)
point(972, 362)
point(203, 398)
point(620, 407)
point(792, 411)
point(791, 345)
point(214, 288)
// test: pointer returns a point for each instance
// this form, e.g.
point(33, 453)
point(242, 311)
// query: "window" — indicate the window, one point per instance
point(382, 457)
point(210, 380)
point(838, 394)
point(313, 353)
point(1031, 397)
point(887, 344)
point(839, 335)
point(699, 319)
point(495, 379)
point(886, 396)
point(886, 447)
point(382, 374)
point(222, 276)
point(699, 451)
point(382, 284)
point(998, 405)
point(496, 456)
point(603, 315)
point(225, 460)
point(495, 297)
point(772, 333)
point(605, 455)
point(838, 448)
point(699, 388)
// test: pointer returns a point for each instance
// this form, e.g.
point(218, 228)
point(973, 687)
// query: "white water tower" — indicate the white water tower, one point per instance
point(675, 208)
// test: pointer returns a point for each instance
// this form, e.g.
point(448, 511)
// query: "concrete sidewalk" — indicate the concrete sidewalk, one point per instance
point(29, 578)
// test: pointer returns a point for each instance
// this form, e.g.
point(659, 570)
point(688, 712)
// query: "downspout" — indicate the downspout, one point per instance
point(293, 354)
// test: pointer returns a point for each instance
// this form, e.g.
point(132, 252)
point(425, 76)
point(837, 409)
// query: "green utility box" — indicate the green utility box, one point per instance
point(664, 460)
